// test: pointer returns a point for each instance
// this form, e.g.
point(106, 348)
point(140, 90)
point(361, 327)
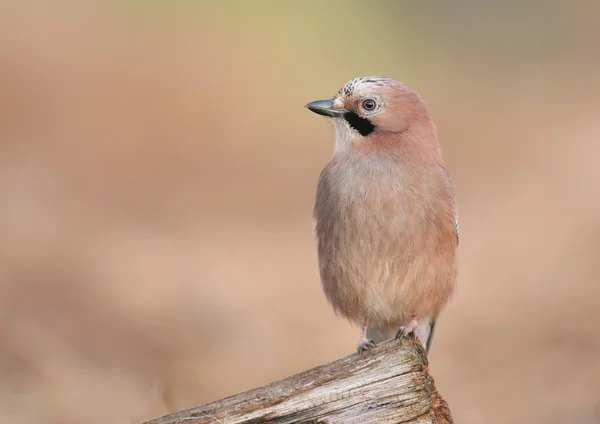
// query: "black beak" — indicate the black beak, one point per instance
point(325, 108)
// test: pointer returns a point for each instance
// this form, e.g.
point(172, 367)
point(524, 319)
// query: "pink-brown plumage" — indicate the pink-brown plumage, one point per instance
point(384, 214)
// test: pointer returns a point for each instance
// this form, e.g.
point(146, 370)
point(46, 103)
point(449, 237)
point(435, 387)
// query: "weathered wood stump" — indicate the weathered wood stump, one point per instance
point(390, 384)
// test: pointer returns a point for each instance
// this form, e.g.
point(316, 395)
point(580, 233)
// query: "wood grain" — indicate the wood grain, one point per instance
point(390, 384)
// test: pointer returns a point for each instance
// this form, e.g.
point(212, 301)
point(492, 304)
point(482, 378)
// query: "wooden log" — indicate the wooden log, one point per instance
point(390, 384)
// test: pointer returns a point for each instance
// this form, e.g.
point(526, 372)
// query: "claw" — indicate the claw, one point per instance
point(363, 342)
point(400, 334)
point(405, 330)
point(364, 345)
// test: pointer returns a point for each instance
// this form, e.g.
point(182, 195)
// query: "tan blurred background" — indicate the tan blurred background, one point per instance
point(157, 174)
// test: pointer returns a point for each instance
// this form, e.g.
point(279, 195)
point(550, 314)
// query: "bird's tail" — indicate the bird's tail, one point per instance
point(430, 336)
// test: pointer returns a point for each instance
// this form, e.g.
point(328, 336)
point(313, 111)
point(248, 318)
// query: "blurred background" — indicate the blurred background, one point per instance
point(157, 175)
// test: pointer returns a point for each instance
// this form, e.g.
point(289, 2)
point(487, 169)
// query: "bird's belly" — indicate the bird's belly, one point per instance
point(381, 267)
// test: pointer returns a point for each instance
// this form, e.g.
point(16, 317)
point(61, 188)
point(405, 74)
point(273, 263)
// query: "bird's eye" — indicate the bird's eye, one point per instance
point(369, 105)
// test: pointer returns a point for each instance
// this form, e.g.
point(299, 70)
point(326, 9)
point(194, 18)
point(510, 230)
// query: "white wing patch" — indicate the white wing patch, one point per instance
point(457, 232)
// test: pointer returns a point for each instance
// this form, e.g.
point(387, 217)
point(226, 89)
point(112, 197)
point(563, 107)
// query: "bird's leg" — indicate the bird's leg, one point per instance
point(363, 342)
point(405, 330)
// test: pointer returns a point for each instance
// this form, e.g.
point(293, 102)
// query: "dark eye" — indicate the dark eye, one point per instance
point(369, 104)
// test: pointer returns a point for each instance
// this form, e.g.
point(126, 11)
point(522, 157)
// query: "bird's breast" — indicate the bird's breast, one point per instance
point(365, 198)
point(377, 222)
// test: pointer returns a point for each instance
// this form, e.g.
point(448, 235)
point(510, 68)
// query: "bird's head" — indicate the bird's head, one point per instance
point(366, 107)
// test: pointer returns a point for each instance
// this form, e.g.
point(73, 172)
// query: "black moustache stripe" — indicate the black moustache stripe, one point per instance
point(362, 125)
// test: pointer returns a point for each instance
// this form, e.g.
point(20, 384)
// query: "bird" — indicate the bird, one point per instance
point(385, 216)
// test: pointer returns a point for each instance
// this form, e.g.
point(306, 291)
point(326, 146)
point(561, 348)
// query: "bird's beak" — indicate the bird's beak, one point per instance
point(325, 108)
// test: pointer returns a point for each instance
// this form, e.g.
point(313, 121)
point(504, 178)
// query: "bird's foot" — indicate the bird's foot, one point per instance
point(364, 344)
point(405, 330)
